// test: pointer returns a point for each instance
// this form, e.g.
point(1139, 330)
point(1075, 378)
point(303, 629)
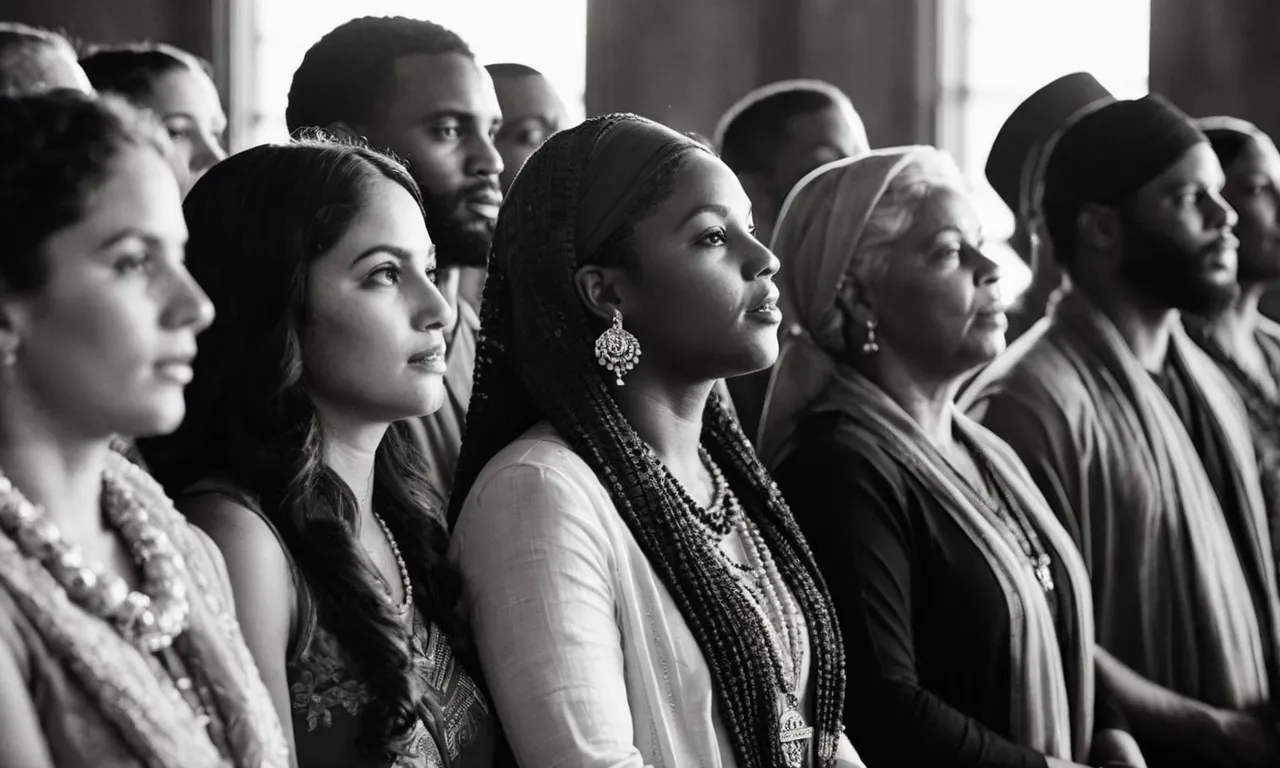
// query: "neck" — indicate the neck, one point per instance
point(1144, 328)
point(447, 282)
point(62, 475)
point(1234, 328)
point(926, 398)
point(350, 451)
point(668, 419)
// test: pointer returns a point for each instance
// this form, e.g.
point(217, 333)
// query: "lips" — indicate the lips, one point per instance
point(767, 304)
point(485, 203)
point(176, 368)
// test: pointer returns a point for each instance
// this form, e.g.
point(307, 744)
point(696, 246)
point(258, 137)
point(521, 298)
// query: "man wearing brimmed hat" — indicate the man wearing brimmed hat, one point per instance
point(1014, 168)
point(1137, 439)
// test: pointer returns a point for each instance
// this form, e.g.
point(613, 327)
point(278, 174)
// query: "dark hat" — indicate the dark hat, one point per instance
point(1015, 152)
point(1110, 153)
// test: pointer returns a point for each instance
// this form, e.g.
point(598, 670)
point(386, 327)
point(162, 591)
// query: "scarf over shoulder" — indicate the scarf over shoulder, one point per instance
point(144, 709)
point(1111, 454)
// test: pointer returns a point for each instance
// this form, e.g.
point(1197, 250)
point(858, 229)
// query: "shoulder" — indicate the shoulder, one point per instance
point(241, 540)
point(535, 491)
point(827, 452)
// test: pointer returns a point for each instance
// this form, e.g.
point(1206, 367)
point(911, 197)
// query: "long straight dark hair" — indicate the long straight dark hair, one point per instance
point(257, 221)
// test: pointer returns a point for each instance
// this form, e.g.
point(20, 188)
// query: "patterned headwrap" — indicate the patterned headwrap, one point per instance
point(535, 361)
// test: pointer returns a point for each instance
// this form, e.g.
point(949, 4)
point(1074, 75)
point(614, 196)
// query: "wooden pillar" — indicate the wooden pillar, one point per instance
point(684, 63)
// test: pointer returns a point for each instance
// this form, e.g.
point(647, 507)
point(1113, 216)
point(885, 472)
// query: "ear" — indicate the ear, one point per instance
point(1099, 226)
point(598, 288)
point(856, 306)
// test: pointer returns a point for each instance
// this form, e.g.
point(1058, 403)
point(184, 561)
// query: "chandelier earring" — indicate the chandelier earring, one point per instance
point(617, 350)
point(870, 346)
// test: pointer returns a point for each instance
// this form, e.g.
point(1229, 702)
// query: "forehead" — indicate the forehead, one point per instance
point(1198, 165)
point(184, 90)
point(945, 208)
point(388, 216)
point(139, 192)
point(702, 179)
point(1258, 156)
point(526, 96)
point(425, 84)
point(58, 68)
point(830, 125)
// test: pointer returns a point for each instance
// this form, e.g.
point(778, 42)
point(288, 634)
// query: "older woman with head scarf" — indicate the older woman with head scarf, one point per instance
point(964, 606)
point(638, 590)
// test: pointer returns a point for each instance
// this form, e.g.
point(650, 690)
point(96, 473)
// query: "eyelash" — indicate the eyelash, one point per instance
point(393, 274)
point(132, 262)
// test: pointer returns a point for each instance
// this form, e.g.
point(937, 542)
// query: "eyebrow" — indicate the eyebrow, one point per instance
point(715, 208)
point(127, 234)
point(391, 250)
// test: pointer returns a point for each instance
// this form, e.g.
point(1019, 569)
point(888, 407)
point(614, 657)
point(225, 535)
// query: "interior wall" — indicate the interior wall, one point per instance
point(684, 63)
point(187, 24)
point(1218, 58)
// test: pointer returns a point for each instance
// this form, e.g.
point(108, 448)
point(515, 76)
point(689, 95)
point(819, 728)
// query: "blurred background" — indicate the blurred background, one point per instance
point(945, 72)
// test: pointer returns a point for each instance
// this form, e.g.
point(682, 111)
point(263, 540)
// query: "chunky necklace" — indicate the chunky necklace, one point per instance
point(150, 618)
point(405, 582)
point(715, 517)
point(777, 610)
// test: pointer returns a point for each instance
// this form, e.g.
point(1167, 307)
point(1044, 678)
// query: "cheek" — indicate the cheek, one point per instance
point(930, 309)
point(438, 168)
point(350, 344)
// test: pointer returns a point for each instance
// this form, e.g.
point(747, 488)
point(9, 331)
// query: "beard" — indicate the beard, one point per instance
point(1170, 274)
point(462, 239)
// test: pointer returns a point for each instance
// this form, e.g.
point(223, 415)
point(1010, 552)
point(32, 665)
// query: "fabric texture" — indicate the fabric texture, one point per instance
point(102, 702)
point(1118, 467)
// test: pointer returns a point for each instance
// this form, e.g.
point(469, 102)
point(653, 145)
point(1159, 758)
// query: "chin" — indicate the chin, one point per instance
point(162, 419)
point(429, 400)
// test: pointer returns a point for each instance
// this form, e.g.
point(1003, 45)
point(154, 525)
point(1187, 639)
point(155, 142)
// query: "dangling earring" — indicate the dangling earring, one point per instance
point(870, 347)
point(617, 350)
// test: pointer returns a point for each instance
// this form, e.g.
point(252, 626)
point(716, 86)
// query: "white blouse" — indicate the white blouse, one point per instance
point(587, 657)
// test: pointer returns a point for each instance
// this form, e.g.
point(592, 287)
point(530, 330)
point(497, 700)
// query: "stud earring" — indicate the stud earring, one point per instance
point(870, 346)
point(617, 350)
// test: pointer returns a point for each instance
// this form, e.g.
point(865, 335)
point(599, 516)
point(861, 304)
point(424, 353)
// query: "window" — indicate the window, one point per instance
point(995, 53)
point(271, 37)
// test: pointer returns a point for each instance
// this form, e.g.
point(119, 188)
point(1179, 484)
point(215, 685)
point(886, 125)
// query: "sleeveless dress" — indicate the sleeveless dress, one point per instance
point(455, 726)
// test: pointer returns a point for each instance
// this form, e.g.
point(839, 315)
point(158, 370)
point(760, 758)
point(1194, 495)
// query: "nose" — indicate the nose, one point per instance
point(483, 158)
point(431, 311)
point(1219, 214)
point(986, 271)
point(206, 152)
point(188, 306)
point(760, 262)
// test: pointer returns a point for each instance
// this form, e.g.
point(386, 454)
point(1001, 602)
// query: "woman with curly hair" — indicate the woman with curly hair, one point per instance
point(118, 643)
point(638, 590)
point(296, 458)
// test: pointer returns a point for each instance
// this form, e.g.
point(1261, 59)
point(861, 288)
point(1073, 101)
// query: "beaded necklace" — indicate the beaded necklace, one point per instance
point(772, 602)
point(406, 583)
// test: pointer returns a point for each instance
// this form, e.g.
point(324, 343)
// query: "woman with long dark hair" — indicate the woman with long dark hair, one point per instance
point(295, 457)
point(118, 645)
point(638, 590)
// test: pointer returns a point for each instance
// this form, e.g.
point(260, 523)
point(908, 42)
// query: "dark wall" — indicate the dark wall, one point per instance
point(1214, 58)
point(684, 62)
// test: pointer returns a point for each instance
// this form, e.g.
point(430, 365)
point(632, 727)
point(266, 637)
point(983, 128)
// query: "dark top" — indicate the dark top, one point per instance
point(1215, 455)
point(923, 618)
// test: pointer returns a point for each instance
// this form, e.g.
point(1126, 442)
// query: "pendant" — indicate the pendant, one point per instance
point(1043, 573)
point(794, 735)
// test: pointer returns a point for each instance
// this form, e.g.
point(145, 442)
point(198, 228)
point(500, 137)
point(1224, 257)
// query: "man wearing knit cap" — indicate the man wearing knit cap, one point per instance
point(1140, 444)
point(771, 138)
point(1014, 170)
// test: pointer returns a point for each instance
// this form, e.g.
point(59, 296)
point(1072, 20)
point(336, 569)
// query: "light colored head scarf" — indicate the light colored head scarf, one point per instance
point(820, 239)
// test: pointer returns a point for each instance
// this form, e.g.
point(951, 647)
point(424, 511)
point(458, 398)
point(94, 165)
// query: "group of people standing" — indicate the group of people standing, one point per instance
point(408, 442)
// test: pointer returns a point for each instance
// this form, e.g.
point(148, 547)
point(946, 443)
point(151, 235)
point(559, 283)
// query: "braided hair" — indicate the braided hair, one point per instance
point(535, 361)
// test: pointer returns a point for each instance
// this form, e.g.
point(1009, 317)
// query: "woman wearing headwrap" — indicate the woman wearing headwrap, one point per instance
point(964, 605)
point(1245, 343)
point(638, 590)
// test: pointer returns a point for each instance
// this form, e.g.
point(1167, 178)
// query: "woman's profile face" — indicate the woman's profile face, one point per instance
point(701, 299)
point(938, 302)
point(373, 348)
point(105, 346)
point(187, 102)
